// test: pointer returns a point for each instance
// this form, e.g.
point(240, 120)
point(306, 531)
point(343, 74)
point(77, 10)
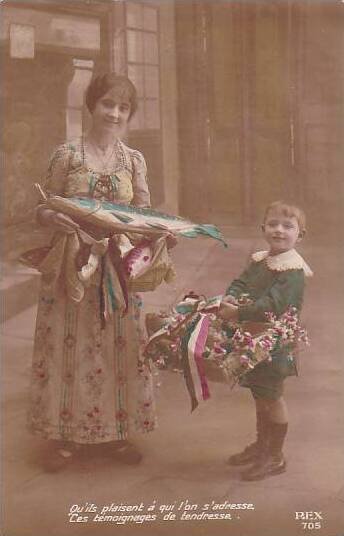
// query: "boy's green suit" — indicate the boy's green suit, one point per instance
point(272, 283)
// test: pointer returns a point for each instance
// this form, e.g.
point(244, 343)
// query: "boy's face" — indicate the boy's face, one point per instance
point(281, 232)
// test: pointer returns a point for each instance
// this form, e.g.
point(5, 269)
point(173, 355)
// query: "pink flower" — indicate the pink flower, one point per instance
point(270, 316)
point(250, 344)
point(121, 342)
point(122, 379)
point(244, 360)
point(266, 344)
point(237, 337)
point(65, 414)
point(121, 415)
point(69, 341)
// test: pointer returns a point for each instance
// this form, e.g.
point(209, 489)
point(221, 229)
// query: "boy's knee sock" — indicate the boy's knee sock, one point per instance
point(278, 432)
point(263, 429)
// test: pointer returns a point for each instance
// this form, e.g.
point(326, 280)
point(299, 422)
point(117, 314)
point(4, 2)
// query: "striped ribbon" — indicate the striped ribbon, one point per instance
point(196, 347)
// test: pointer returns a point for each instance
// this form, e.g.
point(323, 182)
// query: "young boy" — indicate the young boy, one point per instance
point(273, 281)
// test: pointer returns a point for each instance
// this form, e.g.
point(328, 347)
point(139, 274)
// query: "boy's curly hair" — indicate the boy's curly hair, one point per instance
point(290, 211)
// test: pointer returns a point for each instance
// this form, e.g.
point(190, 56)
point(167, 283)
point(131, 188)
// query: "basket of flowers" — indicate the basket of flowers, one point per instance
point(192, 338)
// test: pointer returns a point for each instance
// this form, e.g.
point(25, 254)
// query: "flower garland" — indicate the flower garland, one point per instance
point(231, 349)
point(239, 352)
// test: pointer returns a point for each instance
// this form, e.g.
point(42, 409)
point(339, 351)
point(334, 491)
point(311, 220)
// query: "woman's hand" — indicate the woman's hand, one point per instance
point(58, 220)
point(228, 311)
point(171, 240)
point(64, 223)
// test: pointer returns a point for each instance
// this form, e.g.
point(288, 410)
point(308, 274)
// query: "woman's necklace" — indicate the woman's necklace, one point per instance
point(103, 156)
point(105, 185)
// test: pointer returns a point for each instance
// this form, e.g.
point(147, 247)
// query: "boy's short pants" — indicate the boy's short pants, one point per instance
point(266, 379)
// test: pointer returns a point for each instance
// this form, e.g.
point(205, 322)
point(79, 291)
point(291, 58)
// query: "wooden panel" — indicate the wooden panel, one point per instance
point(151, 147)
point(226, 173)
point(321, 112)
point(34, 102)
point(271, 113)
point(32, 127)
point(193, 108)
point(225, 58)
point(268, 123)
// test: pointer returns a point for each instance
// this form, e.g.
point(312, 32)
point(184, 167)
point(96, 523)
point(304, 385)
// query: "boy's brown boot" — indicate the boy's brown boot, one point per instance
point(248, 455)
point(255, 450)
point(273, 463)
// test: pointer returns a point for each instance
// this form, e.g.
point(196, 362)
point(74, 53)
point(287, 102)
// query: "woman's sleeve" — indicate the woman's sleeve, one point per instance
point(286, 290)
point(57, 171)
point(140, 185)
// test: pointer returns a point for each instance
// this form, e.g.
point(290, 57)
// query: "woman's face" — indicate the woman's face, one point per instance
point(111, 113)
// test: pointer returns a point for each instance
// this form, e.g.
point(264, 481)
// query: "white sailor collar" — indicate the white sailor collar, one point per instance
point(288, 260)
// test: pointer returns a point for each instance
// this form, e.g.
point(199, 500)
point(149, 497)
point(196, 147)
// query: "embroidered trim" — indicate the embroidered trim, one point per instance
point(288, 260)
point(68, 371)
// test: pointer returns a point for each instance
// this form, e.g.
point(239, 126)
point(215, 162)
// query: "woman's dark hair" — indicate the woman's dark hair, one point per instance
point(101, 84)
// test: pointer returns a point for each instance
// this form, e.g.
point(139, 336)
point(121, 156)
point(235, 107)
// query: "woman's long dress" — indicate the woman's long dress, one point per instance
point(89, 383)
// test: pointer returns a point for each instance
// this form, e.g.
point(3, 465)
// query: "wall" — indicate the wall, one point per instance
point(261, 107)
point(169, 103)
point(37, 73)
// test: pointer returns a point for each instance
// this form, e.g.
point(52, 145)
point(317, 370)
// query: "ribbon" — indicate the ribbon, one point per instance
point(196, 347)
point(186, 366)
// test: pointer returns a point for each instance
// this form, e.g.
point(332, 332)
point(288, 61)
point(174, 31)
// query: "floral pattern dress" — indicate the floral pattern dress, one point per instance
point(89, 381)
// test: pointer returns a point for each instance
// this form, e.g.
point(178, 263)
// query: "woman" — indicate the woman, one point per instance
point(89, 384)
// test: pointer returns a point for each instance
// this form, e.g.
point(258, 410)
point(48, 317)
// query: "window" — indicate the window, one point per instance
point(143, 62)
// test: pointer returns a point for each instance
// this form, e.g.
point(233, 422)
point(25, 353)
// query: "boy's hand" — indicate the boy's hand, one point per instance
point(230, 299)
point(228, 311)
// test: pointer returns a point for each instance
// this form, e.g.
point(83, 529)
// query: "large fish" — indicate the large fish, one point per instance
point(117, 217)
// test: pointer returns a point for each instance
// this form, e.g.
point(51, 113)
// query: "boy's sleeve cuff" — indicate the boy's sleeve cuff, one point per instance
point(250, 312)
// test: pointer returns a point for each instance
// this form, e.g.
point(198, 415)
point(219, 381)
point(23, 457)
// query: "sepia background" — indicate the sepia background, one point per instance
point(240, 103)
